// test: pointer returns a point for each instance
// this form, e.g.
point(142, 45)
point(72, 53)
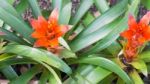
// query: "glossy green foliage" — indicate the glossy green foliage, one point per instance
point(90, 51)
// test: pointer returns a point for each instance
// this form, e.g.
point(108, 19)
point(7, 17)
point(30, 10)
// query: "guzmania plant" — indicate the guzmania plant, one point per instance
point(89, 42)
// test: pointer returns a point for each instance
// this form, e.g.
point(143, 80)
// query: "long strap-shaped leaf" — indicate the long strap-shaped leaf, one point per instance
point(18, 25)
point(57, 4)
point(38, 56)
point(84, 6)
point(107, 64)
point(91, 73)
point(81, 43)
point(10, 1)
point(97, 75)
point(66, 11)
point(83, 71)
point(12, 37)
point(96, 27)
point(44, 77)
point(136, 77)
point(26, 77)
point(54, 79)
point(9, 72)
point(22, 6)
point(105, 18)
point(35, 7)
point(102, 5)
point(108, 40)
point(6, 6)
point(122, 25)
point(14, 61)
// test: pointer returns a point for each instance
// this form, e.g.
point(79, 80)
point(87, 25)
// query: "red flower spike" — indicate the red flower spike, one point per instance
point(137, 34)
point(46, 32)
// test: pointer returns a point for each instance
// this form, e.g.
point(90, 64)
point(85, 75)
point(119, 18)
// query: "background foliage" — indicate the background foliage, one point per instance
point(91, 57)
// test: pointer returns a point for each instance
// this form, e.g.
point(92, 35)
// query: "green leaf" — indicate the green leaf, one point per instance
point(148, 67)
point(96, 30)
point(54, 79)
point(88, 18)
point(122, 25)
point(145, 56)
point(10, 36)
point(108, 80)
point(77, 79)
point(81, 11)
point(81, 72)
point(146, 3)
point(70, 81)
point(44, 77)
point(64, 2)
point(9, 8)
point(120, 81)
point(83, 8)
point(141, 66)
point(64, 43)
point(88, 74)
point(23, 29)
point(84, 69)
point(114, 48)
point(61, 64)
point(40, 56)
point(79, 29)
point(108, 40)
point(106, 64)
point(135, 77)
point(81, 80)
point(102, 5)
point(57, 4)
point(35, 7)
point(10, 1)
point(105, 18)
point(65, 14)
point(46, 13)
point(5, 56)
point(96, 75)
point(67, 54)
point(16, 61)
point(1, 23)
point(80, 43)
point(27, 76)
point(22, 6)
point(9, 73)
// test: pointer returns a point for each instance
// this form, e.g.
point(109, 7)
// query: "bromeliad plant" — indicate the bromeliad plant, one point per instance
point(104, 48)
point(136, 35)
point(48, 32)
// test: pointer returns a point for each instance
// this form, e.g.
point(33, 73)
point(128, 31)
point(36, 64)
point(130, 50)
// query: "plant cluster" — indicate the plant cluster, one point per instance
point(61, 45)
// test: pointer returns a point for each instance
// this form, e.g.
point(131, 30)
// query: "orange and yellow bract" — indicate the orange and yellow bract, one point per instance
point(137, 34)
point(46, 32)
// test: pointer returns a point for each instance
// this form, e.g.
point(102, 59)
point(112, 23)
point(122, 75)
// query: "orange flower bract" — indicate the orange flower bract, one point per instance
point(137, 34)
point(46, 32)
